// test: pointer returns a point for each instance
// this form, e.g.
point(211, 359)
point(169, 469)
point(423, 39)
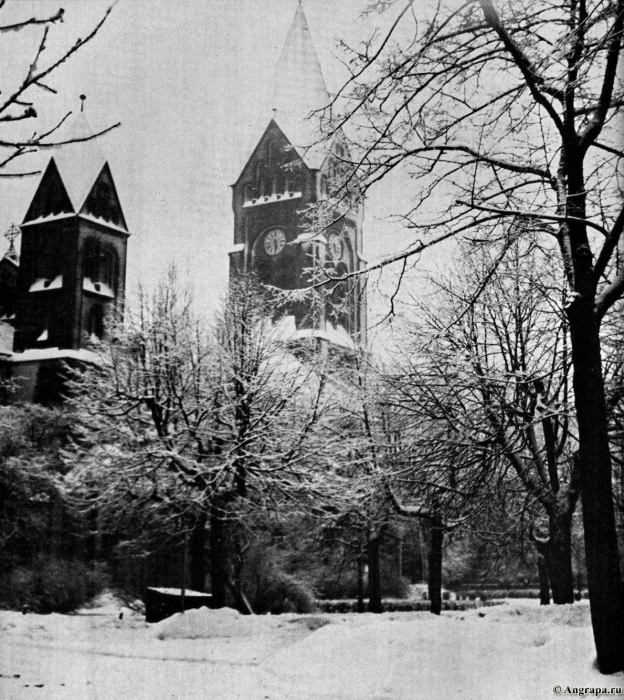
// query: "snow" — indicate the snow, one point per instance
point(273, 198)
point(203, 624)
point(38, 354)
point(47, 218)
point(100, 288)
point(286, 329)
point(9, 257)
point(516, 651)
point(103, 222)
point(42, 284)
point(188, 592)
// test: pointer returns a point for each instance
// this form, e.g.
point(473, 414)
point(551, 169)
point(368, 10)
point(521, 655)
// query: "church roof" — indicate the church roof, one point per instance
point(79, 163)
point(296, 91)
point(77, 180)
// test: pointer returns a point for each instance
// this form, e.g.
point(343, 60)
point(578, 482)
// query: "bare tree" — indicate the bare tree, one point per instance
point(20, 102)
point(496, 361)
point(500, 112)
point(180, 425)
point(395, 467)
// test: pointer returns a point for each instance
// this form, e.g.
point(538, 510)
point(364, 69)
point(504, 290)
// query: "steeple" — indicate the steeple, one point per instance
point(79, 163)
point(77, 180)
point(287, 173)
point(71, 271)
point(73, 253)
point(294, 94)
point(298, 89)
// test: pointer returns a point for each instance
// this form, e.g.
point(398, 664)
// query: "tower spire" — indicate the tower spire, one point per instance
point(298, 90)
point(298, 81)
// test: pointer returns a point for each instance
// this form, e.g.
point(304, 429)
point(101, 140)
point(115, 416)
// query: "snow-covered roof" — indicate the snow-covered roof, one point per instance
point(39, 354)
point(178, 591)
point(79, 163)
point(47, 218)
point(10, 258)
point(286, 329)
point(105, 222)
point(297, 90)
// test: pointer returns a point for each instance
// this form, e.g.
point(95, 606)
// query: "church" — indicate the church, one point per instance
point(70, 273)
point(295, 227)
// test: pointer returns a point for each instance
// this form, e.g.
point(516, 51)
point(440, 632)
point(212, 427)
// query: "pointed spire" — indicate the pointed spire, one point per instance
point(296, 91)
point(298, 83)
point(79, 163)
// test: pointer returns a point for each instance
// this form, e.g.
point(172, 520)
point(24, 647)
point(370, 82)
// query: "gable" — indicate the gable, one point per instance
point(286, 153)
point(102, 202)
point(51, 198)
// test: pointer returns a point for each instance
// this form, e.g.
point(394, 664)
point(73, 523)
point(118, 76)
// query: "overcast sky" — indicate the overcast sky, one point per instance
point(186, 79)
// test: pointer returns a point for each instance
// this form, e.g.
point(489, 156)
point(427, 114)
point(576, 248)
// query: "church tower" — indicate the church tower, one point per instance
point(71, 271)
point(285, 183)
point(73, 250)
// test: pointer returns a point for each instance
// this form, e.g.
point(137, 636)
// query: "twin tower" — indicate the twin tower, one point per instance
point(72, 265)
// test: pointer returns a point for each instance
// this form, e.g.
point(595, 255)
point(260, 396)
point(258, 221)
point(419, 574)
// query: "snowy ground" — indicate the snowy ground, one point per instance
point(517, 651)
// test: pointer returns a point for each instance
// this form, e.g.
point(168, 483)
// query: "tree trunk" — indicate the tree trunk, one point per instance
point(218, 555)
point(435, 567)
point(374, 578)
point(197, 553)
point(544, 581)
point(360, 585)
point(560, 560)
point(424, 568)
point(542, 547)
point(601, 550)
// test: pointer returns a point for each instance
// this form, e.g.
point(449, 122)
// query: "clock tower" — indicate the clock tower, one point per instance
point(285, 229)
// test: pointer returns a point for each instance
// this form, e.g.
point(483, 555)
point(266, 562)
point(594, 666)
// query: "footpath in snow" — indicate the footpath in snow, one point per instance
point(518, 651)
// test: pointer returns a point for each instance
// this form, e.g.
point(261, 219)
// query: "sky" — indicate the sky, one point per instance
point(186, 79)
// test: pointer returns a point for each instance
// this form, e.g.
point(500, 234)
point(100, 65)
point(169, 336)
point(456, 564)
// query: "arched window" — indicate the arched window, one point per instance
point(91, 259)
point(294, 180)
point(108, 270)
point(95, 323)
point(249, 192)
point(263, 187)
point(272, 151)
point(101, 264)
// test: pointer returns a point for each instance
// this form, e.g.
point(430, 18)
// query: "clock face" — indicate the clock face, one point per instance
point(274, 241)
point(335, 246)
